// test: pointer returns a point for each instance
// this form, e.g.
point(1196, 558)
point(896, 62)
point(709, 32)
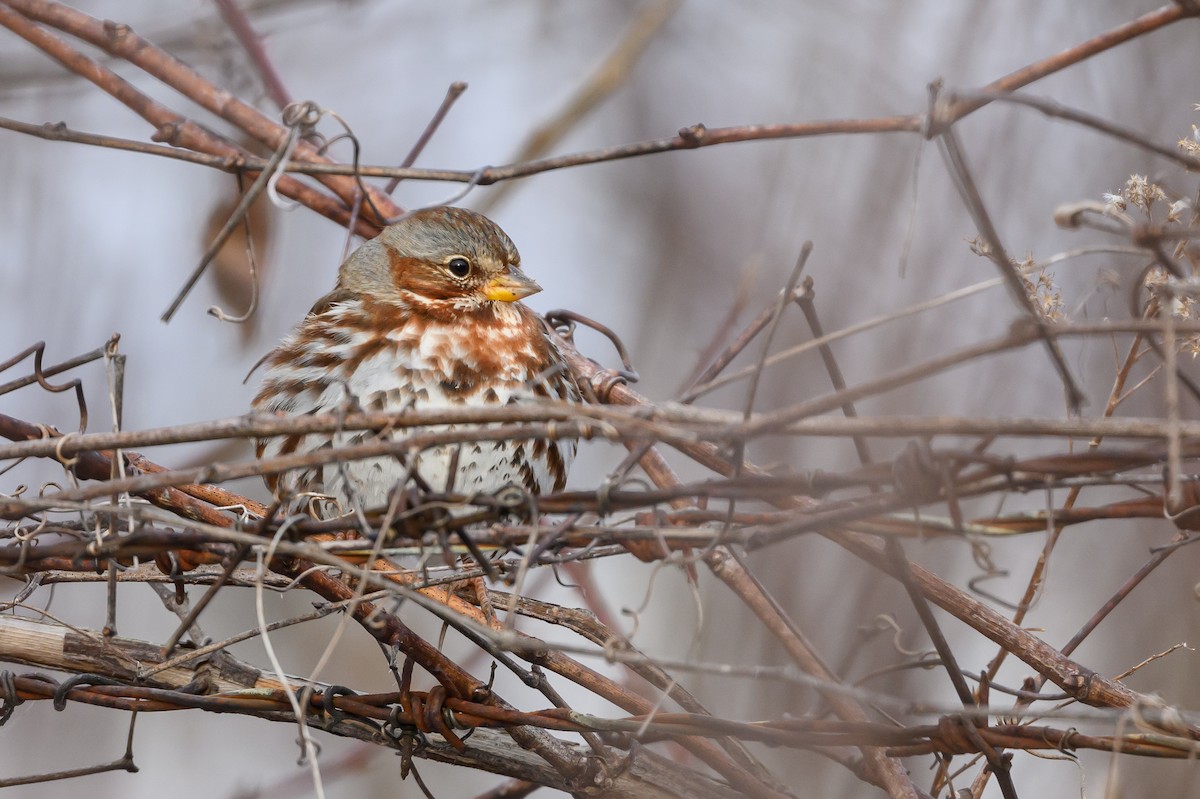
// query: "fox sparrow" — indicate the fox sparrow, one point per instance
point(425, 315)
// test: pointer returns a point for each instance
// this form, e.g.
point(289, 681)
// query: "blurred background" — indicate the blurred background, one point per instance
point(659, 248)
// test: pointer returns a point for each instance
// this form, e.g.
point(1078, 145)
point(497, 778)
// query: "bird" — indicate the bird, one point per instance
point(426, 315)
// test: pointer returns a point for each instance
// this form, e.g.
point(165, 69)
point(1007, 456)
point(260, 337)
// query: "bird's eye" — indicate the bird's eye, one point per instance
point(459, 267)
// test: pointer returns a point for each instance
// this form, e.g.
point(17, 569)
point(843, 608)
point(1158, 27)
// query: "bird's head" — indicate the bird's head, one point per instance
point(438, 258)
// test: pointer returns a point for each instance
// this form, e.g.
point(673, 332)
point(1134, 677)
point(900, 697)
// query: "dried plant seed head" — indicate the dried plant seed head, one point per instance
point(978, 246)
point(1191, 144)
point(1141, 192)
point(1046, 296)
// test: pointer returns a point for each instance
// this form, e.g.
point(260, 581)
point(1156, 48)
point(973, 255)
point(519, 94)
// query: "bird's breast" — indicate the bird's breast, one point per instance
point(346, 357)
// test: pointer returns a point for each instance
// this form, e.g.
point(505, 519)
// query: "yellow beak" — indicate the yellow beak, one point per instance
point(510, 286)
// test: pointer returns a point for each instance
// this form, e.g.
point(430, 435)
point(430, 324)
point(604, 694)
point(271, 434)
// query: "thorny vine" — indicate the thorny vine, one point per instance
point(121, 518)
